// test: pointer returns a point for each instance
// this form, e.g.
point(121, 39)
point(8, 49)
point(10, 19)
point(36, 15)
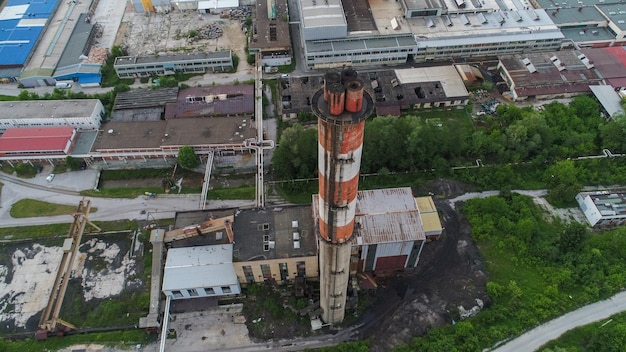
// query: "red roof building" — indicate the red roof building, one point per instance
point(40, 140)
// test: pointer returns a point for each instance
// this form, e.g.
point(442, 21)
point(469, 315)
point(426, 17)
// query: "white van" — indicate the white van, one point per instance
point(63, 85)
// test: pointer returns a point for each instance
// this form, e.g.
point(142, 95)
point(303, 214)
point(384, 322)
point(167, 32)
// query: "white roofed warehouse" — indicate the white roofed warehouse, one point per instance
point(603, 209)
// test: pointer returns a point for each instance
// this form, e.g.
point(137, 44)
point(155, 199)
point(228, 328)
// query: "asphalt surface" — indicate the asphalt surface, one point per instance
point(537, 337)
point(64, 189)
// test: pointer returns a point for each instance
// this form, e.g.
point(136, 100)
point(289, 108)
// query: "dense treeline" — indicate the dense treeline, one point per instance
point(538, 269)
point(514, 135)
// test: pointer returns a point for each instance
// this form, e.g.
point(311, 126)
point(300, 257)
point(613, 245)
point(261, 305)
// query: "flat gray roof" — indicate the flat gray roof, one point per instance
point(322, 13)
point(447, 76)
point(28, 109)
point(616, 13)
point(175, 132)
point(360, 43)
point(202, 266)
point(78, 44)
point(484, 27)
point(574, 15)
point(83, 143)
point(590, 35)
point(610, 100)
point(255, 228)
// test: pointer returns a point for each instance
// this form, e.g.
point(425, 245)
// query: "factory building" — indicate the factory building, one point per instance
point(22, 23)
point(270, 35)
point(161, 65)
point(40, 141)
point(82, 114)
point(548, 75)
point(603, 209)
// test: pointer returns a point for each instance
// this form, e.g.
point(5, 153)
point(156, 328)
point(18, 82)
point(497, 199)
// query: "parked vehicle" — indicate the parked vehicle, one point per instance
point(50, 178)
point(63, 85)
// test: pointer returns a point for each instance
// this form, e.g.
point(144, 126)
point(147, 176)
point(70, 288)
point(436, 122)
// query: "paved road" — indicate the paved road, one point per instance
point(108, 209)
point(537, 337)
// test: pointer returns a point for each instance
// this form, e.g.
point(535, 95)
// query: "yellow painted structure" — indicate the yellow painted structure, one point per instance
point(147, 5)
point(311, 267)
point(430, 217)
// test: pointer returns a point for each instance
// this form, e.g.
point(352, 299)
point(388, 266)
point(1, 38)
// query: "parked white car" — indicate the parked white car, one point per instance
point(50, 178)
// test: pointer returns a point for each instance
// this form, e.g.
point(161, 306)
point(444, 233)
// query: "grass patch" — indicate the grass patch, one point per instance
point(242, 192)
point(126, 339)
point(7, 97)
point(28, 208)
point(600, 336)
point(52, 230)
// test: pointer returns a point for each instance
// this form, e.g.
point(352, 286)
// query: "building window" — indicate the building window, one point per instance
point(209, 291)
point(226, 289)
point(193, 292)
point(247, 272)
point(284, 273)
point(265, 270)
point(301, 269)
point(177, 294)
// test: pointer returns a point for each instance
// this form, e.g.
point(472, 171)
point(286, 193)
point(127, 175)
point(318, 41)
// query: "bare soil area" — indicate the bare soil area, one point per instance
point(181, 32)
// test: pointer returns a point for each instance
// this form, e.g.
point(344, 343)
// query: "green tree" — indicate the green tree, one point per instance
point(573, 237)
point(296, 154)
point(608, 340)
point(72, 163)
point(187, 157)
point(563, 185)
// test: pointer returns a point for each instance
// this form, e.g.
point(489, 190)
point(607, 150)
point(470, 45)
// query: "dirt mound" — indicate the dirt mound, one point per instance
point(442, 189)
point(450, 274)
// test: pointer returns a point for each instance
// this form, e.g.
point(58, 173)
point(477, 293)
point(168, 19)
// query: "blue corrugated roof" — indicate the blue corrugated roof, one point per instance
point(20, 26)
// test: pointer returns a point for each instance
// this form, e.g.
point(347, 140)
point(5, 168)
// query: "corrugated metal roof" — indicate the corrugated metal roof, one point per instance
point(35, 139)
point(202, 266)
point(425, 204)
point(388, 215)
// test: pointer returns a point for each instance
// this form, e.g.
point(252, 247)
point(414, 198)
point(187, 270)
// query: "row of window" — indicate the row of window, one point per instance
point(266, 272)
point(162, 66)
point(208, 291)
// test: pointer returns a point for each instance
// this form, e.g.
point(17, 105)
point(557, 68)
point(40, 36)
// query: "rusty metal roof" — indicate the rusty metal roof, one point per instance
point(387, 215)
point(384, 216)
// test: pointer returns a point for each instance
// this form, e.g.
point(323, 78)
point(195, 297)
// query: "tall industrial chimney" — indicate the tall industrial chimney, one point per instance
point(341, 106)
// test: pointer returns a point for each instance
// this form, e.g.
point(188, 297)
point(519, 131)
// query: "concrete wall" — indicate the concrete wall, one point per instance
point(334, 277)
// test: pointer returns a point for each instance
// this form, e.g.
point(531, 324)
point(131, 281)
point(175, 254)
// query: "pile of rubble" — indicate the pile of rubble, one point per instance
point(241, 13)
point(210, 31)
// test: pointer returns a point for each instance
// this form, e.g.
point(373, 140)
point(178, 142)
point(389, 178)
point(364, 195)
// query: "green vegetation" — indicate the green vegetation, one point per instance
point(126, 339)
point(109, 77)
point(132, 192)
point(267, 317)
point(25, 170)
point(242, 192)
point(187, 157)
point(7, 97)
point(604, 336)
point(55, 230)
point(537, 269)
point(28, 208)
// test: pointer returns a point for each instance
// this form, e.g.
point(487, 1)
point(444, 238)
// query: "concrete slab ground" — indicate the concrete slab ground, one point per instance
point(109, 15)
